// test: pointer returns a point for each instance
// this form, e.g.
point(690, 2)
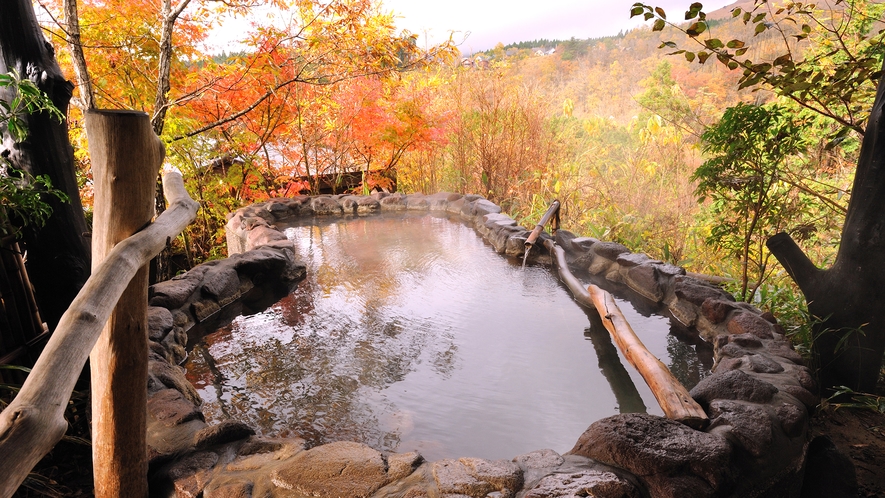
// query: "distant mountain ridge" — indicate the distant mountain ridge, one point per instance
point(725, 12)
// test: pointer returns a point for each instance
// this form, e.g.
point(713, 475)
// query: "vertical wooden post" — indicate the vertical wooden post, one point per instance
point(126, 158)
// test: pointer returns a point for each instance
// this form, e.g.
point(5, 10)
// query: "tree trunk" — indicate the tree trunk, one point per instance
point(58, 253)
point(160, 269)
point(847, 300)
point(75, 45)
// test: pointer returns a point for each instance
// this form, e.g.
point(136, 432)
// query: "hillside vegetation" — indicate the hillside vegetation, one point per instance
point(638, 145)
point(618, 131)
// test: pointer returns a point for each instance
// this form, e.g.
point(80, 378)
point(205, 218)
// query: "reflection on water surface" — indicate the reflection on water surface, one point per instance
point(411, 333)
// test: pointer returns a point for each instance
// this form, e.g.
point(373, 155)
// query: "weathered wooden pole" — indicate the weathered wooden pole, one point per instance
point(126, 158)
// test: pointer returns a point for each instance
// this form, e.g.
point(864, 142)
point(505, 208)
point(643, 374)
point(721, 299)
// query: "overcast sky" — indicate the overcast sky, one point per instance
point(507, 21)
point(484, 23)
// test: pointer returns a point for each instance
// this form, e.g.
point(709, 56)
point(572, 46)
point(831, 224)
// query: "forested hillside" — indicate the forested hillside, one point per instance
point(613, 128)
point(625, 135)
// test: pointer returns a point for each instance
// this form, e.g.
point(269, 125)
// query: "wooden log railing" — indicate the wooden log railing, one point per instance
point(671, 395)
point(34, 421)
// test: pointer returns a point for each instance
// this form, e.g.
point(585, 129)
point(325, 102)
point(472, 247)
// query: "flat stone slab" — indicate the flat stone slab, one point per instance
point(539, 459)
point(452, 477)
point(477, 477)
point(225, 432)
point(174, 293)
point(747, 425)
point(590, 483)
point(748, 323)
point(697, 292)
point(340, 469)
point(221, 281)
point(190, 474)
point(400, 465)
point(504, 475)
point(609, 250)
point(325, 206)
point(170, 408)
point(159, 322)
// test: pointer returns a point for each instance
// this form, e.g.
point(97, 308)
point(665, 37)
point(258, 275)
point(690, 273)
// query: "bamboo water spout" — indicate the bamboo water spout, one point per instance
point(671, 395)
point(552, 211)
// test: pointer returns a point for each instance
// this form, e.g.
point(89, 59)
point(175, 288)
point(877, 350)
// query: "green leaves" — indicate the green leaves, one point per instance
point(735, 44)
point(862, 401)
point(696, 29)
point(648, 12)
point(693, 11)
point(750, 151)
point(21, 197)
point(833, 72)
point(28, 99)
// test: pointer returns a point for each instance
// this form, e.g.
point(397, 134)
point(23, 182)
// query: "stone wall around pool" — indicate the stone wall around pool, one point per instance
point(758, 398)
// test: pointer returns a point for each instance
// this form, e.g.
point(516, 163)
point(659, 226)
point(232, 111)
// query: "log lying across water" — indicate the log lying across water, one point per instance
point(668, 391)
point(34, 422)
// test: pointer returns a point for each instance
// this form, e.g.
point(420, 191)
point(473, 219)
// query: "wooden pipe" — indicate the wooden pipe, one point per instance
point(671, 395)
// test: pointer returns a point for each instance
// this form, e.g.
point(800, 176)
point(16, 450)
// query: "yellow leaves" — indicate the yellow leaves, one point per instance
point(658, 131)
point(568, 107)
point(654, 124)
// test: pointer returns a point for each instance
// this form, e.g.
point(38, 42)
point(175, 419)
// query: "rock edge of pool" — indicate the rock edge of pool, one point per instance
point(758, 397)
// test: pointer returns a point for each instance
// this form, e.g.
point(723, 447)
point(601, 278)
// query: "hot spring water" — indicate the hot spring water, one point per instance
point(411, 333)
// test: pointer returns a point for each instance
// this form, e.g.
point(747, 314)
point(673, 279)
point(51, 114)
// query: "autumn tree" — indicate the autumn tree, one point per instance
point(500, 136)
point(834, 77)
point(150, 56)
point(749, 151)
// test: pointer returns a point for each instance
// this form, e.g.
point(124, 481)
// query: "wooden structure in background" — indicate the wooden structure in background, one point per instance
point(22, 332)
